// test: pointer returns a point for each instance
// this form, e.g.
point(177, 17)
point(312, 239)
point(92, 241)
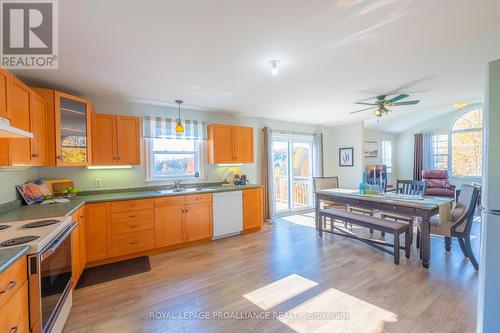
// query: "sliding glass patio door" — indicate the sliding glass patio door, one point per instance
point(292, 172)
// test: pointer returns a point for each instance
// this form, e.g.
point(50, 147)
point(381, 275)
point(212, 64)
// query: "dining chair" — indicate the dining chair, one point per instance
point(326, 183)
point(407, 187)
point(460, 225)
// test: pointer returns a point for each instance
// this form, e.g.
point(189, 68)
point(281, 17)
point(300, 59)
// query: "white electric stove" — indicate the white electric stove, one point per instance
point(34, 233)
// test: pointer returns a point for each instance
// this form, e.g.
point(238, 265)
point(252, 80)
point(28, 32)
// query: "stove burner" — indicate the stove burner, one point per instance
point(41, 223)
point(18, 240)
point(4, 226)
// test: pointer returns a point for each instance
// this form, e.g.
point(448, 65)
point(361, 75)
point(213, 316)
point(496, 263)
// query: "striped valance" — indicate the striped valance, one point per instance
point(158, 127)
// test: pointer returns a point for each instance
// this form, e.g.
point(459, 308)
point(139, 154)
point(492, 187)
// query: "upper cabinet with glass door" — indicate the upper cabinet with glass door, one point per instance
point(70, 140)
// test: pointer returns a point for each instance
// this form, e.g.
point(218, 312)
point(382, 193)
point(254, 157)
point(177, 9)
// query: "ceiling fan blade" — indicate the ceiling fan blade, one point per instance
point(398, 97)
point(362, 110)
point(405, 103)
point(364, 103)
point(381, 97)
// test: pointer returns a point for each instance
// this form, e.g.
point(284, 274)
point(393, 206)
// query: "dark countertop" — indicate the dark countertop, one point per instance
point(10, 255)
point(61, 209)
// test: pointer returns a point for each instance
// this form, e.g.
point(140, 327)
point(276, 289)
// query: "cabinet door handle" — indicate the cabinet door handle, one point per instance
point(132, 216)
point(14, 329)
point(35, 155)
point(118, 158)
point(133, 243)
point(11, 285)
point(59, 157)
point(134, 226)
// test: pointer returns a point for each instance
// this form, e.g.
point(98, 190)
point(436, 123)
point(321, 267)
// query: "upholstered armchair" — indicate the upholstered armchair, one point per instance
point(438, 184)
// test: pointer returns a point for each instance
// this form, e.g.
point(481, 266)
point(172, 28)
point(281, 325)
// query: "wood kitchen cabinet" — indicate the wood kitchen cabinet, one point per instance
point(169, 220)
point(97, 231)
point(19, 150)
point(69, 128)
point(230, 144)
point(14, 298)
point(4, 93)
point(252, 208)
point(38, 126)
point(182, 219)
point(115, 140)
point(78, 246)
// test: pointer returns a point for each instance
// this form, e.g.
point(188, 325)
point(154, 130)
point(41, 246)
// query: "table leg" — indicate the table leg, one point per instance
point(316, 215)
point(425, 244)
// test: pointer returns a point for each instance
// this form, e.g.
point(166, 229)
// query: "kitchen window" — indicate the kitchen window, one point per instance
point(171, 159)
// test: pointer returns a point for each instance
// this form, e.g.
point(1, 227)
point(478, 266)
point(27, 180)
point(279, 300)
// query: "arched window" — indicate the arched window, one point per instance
point(467, 144)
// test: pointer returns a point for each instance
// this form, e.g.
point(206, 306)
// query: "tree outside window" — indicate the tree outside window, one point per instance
point(467, 145)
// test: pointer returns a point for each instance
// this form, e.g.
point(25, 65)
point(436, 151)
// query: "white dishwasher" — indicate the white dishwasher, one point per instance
point(227, 214)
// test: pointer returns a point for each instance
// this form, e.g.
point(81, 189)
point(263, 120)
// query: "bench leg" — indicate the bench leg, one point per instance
point(320, 226)
point(411, 231)
point(408, 242)
point(371, 231)
point(418, 238)
point(396, 249)
point(383, 233)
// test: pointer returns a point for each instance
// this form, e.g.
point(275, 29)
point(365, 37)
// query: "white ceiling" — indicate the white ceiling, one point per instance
point(214, 54)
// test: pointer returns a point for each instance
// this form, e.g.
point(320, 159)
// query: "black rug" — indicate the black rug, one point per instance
point(117, 270)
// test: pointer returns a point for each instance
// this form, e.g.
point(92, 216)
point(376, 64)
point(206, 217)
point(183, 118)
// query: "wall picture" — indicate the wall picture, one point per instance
point(371, 149)
point(346, 157)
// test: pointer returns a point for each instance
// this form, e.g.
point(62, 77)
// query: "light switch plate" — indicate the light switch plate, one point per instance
point(98, 182)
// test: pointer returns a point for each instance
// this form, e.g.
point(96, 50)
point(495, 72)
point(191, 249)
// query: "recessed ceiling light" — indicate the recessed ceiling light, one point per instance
point(460, 105)
point(274, 64)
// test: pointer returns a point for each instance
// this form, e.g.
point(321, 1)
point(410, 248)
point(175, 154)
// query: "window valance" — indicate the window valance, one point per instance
point(164, 128)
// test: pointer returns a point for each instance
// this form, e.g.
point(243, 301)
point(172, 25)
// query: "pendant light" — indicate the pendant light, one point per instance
point(179, 128)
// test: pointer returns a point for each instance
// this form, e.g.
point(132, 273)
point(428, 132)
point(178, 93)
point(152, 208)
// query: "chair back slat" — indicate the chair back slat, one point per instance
point(410, 187)
point(325, 183)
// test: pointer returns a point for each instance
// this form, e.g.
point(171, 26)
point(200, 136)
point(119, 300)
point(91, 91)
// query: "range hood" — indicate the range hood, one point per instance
point(7, 131)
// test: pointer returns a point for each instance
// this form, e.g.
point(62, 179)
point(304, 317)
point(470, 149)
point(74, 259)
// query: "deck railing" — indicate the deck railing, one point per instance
point(301, 192)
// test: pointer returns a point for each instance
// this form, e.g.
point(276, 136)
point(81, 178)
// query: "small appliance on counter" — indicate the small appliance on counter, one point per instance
point(240, 180)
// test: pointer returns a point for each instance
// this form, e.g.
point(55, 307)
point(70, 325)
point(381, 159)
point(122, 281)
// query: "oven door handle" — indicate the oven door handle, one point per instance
point(47, 253)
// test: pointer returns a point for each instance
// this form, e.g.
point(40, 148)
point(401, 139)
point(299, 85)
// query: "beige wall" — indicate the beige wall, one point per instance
point(10, 178)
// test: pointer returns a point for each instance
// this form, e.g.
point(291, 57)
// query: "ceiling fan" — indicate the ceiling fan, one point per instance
point(381, 105)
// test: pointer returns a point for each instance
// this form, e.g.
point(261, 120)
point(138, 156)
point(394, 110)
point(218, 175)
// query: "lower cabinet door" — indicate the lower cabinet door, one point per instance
point(252, 208)
point(198, 223)
point(14, 314)
point(96, 219)
point(132, 242)
point(169, 223)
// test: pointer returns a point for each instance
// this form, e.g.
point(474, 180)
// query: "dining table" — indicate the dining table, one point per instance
point(405, 205)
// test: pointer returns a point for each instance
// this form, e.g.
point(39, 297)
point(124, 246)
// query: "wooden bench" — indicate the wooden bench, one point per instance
point(392, 227)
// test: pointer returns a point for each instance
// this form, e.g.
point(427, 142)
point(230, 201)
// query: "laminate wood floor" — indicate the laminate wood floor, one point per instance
point(286, 279)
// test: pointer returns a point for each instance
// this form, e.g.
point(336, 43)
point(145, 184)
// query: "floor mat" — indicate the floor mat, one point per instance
point(117, 270)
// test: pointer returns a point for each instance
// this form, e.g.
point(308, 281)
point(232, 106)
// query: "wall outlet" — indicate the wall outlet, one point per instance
point(98, 182)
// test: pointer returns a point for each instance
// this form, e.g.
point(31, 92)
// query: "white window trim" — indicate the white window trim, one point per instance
point(382, 155)
point(449, 151)
point(171, 179)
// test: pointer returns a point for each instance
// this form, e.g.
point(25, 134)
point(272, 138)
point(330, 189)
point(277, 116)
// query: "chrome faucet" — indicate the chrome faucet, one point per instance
point(177, 184)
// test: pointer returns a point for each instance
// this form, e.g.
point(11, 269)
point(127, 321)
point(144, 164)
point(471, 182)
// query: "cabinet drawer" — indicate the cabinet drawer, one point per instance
point(14, 314)
point(123, 206)
point(198, 198)
point(135, 215)
point(12, 279)
point(132, 242)
point(133, 225)
point(170, 201)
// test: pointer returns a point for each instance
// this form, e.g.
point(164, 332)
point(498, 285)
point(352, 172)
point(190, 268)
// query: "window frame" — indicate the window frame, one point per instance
point(199, 155)
point(389, 170)
point(448, 150)
point(450, 142)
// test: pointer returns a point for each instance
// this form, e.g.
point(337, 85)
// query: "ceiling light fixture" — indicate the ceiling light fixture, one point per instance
point(460, 105)
point(179, 128)
point(274, 64)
